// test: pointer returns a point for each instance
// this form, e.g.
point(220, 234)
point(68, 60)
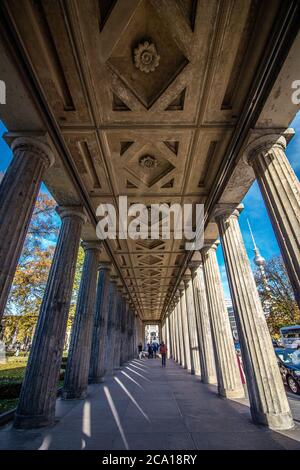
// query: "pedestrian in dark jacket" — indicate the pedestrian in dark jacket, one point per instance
point(150, 352)
point(163, 351)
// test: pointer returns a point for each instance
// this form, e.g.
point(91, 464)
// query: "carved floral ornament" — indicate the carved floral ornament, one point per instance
point(148, 162)
point(146, 57)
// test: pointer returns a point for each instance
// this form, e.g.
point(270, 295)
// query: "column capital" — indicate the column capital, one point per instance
point(265, 140)
point(225, 211)
point(104, 265)
point(36, 144)
point(177, 295)
point(119, 289)
point(210, 245)
point(187, 276)
point(181, 287)
point(91, 245)
point(72, 211)
point(194, 265)
point(114, 279)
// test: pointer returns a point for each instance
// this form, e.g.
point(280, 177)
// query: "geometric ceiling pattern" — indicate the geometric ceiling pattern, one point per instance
point(146, 95)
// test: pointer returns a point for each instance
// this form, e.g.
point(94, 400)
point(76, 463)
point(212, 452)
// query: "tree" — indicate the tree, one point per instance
point(18, 329)
point(77, 278)
point(43, 228)
point(32, 272)
point(35, 261)
point(277, 296)
point(30, 280)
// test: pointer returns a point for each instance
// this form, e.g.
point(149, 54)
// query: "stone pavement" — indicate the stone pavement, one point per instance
point(147, 407)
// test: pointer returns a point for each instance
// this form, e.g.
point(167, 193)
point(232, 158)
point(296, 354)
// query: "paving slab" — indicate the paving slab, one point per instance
point(152, 409)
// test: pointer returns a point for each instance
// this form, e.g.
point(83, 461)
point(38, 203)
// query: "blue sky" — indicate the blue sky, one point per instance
point(256, 212)
point(254, 209)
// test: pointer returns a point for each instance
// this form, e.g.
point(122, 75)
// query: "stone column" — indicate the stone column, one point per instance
point(123, 327)
point(280, 189)
point(175, 329)
point(77, 371)
point(172, 329)
point(207, 359)
point(192, 325)
point(171, 341)
point(111, 327)
point(97, 362)
point(132, 355)
point(136, 335)
point(117, 353)
point(18, 192)
point(185, 329)
point(36, 405)
point(129, 333)
point(268, 401)
point(180, 338)
point(168, 337)
point(228, 375)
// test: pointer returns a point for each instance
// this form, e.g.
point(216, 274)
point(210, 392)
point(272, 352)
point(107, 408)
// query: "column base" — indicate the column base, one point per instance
point(32, 422)
point(96, 380)
point(74, 394)
point(109, 374)
point(277, 422)
point(237, 393)
point(210, 380)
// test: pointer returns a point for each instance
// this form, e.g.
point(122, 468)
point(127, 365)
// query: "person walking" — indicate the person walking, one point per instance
point(140, 350)
point(155, 348)
point(150, 351)
point(163, 351)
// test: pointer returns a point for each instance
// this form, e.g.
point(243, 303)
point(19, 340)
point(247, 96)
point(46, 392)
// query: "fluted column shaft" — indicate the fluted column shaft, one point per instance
point(111, 327)
point(117, 352)
point(206, 351)
point(123, 330)
point(185, 332)
point(171, 343)
point(97, 362)
point(129, 334)
point(193, 336)
point(268, 401)
point(280, 189)
point(172, 351)
point(173, 333)
point(18, 192)
point(36, 405)
point(181, 345)
point(77, 370)
point(136, 336)
point(228, 375)
point(168, 337)
point(177, 328)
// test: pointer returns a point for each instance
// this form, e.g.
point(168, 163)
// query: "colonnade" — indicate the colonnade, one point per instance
point(206, 339)
point(106, 329)
point(204, 344)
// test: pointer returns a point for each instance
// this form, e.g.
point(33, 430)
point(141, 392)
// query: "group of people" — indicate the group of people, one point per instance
point(153, 349)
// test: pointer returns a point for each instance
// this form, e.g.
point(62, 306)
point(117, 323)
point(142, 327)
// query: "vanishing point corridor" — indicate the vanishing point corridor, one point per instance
point(146, 407)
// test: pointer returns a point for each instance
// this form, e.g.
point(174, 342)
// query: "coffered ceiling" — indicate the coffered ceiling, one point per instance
point(147, 95)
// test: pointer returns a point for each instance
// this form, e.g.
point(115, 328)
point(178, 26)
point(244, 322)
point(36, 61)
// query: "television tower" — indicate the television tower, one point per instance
point(258, 259)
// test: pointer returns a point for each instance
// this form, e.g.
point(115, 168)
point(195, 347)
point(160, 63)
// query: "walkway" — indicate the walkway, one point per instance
point(147, 407)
